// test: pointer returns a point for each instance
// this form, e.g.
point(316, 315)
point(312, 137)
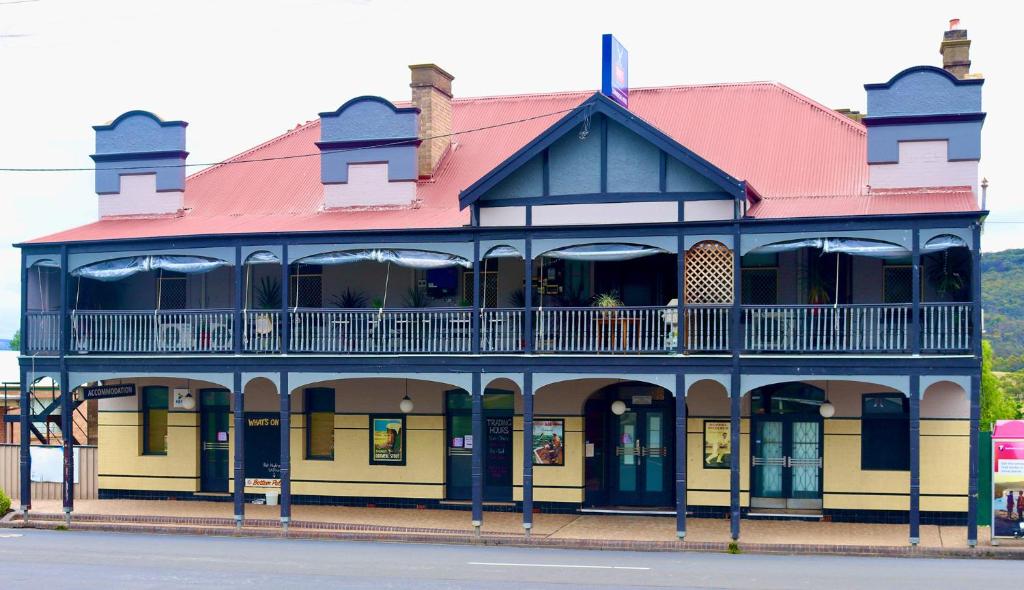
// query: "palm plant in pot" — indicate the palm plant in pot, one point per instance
point(267, 296)
point(607, 301)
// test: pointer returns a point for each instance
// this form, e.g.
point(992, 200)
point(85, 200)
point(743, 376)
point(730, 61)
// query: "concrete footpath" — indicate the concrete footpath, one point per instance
point(589, 531)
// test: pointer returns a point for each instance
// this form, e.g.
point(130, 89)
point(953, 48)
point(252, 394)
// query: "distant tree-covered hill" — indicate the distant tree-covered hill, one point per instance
point(1002, 290)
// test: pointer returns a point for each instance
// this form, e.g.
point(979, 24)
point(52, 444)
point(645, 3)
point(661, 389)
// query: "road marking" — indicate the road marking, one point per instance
point(596, 567)
point(10, 536)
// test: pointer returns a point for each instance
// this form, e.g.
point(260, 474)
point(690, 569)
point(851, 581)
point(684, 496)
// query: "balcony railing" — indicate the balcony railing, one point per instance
point(945, 327)
point(788, 329)
point(605, 329)
point(43, 332)
point(361, 331)
point(501, 330)
point(826, 328)
point(184, 331)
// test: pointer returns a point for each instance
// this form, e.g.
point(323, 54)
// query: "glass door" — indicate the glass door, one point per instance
point(642, 459)
point(460, 457)
point(213, 427)
point(786, 461)
point(496, 445)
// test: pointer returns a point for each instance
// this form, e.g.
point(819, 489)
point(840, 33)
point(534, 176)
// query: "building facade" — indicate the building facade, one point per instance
point(723, 300)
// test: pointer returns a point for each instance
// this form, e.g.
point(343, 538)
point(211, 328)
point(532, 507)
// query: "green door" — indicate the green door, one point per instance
point(497, 445)
point(214, 410)
point(642, 462)
point(787, 462)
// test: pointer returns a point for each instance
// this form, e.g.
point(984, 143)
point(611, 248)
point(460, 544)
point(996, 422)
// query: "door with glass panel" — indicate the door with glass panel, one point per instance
point(214, 409)
point(786, 461)
point(642, 461)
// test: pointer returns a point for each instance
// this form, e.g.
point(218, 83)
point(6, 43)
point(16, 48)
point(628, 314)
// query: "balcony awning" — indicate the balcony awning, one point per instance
point(604, 252)
point(262, 257)
point(943, 242)
point(857, 247)
point(420, 259)
point(122, 268)
point(503, 252)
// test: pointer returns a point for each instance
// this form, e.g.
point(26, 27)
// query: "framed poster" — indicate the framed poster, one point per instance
point(717, 444)
point(387, 440)
point(549, 442)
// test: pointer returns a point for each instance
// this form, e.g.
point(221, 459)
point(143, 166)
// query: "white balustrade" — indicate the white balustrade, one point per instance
point(946, 327)
point(605, 329)
point(826, 328)
point(368, 331)
point(180, 331)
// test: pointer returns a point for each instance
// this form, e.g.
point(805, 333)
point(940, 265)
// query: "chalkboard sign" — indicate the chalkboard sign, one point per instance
point(262, 449)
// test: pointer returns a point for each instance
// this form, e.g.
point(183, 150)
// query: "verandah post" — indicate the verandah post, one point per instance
point(286, 457)
point(734, 454)
point(285, 289)
point(972, 463)
point(527, 452)
point(67, 436)
point(528, 296)
point(477, 471)
point(680, 455)
point(915, 297)
point(475, 320)
point(25, 408)
point(239, 414)
point(237, 330)
point(915, 459)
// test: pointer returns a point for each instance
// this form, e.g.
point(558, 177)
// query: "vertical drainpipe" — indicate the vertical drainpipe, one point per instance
point(66, 418)
point(915, 277)
point(236, 332)
point(475, 321)
point(286, 452)
point(680, 455)
point(527, 453)
point(239, 408)
point(477, 470)
point(285, 288)
point(972, 464)
point(915, 459)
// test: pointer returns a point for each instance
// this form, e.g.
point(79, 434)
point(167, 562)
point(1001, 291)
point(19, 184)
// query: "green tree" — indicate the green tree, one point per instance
point(16, 340)
point(996, 404)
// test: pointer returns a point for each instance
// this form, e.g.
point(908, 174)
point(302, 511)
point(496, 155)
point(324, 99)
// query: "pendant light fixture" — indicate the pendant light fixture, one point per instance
point(826, 409)
point(406, 405)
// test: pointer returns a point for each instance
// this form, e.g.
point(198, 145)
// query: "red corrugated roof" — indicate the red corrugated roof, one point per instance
point(783, 143)
point(875, 202)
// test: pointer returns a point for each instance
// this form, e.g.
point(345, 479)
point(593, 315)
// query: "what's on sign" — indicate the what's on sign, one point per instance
point(614, 70)
point(108, 391)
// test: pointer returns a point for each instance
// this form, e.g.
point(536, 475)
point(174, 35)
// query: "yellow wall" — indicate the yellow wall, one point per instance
point(122, 466)
point(710, 486)
point(551, 483)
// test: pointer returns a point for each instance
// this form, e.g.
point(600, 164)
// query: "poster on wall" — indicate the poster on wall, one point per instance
point(263, 449)
point(717, 445)
point(1008, 478)
point(548, 442)
point(387, 440)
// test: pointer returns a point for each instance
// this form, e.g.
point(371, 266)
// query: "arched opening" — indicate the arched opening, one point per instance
point(629, 446)
point(42, 308)
point(946, 294)
point(152, 303)
point(261, 305)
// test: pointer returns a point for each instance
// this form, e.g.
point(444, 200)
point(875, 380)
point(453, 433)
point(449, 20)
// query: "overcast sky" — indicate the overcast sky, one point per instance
point(241, 72)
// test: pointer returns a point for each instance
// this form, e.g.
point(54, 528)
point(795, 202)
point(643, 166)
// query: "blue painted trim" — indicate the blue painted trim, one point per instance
point(680, 454)
point(915, 459)
point(527, 389)
point(663, 173)
point(475, 318)
point(915, 296)
point(922, 119)
point(285, 291)
point(599, 104)
point(286, 445)
point(128, 114)
point(735, 395)
point(477, 470)
point(605, 198)
point(604, 154)
point(972, 462)
point(24, 305)
point(367, 97)
point(138, 156)
point(327, 146)
point(239, 447)
point(546, 173)
point(238, 301)
point(956, 81)
point(976, 296)
point(528, 294)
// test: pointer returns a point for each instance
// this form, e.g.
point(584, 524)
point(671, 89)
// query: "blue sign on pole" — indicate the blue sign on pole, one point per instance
point(614, 70)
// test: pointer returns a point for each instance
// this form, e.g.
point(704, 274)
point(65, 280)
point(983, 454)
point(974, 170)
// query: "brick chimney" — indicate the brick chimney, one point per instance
point(956, 50)
point(432, 95)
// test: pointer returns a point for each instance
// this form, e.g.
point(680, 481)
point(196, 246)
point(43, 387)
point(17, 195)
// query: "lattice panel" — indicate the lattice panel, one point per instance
point(709, 276)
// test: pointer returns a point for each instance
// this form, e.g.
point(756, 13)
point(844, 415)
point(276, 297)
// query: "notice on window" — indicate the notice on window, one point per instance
point(468, 441)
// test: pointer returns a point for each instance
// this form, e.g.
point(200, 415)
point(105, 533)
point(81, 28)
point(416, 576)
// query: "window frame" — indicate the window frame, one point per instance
point(308, 394)
point(147, 421)
point(903, 418)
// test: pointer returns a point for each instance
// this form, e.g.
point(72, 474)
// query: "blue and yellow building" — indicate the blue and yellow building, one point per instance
point(705, 300)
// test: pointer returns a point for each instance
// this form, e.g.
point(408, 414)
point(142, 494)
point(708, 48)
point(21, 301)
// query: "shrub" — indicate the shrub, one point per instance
point(5, 503)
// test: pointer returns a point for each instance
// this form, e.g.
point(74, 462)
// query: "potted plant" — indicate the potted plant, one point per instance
point(267, 296)
point(349, 299)
point(416, 297)
point(607, 300)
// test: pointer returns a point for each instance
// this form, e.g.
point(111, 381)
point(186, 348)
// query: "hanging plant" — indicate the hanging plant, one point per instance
point(948, 276)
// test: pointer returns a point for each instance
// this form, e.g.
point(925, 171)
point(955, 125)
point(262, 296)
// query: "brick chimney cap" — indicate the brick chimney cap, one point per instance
point(431, 67)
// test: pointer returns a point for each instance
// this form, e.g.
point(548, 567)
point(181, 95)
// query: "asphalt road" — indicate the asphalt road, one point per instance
point(112, 561)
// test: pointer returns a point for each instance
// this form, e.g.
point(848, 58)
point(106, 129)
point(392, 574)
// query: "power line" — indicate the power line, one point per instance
point(296, 156)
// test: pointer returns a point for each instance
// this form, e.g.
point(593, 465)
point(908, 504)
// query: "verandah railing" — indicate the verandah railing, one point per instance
point(794, 329)
point(827, 328)
point(180, 331)
point(357, 331)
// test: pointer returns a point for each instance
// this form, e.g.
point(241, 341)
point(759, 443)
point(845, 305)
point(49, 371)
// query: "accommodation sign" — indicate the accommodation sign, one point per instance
point(108, 391)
